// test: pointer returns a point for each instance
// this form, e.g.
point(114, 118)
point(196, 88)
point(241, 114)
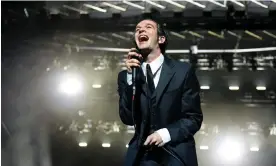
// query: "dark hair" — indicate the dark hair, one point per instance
point(160, 32)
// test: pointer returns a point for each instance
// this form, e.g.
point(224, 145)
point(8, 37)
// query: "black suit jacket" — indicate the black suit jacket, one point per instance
point(176, 106)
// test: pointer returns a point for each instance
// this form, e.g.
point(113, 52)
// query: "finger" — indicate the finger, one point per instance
point(134, 61)
point(132, 49)
point(157, 142)
point(129, 65)
point(134, 52)
point(153, 141)
point(161, 144)
point(131, 54)
point(147, 141)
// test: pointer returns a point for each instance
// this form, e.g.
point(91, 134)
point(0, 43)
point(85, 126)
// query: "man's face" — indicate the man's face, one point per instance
point(146, 35)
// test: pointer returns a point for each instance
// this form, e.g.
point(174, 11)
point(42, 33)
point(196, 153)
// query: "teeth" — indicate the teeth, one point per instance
point(143, 36)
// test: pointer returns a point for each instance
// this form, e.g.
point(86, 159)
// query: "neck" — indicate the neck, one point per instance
point(153, 55)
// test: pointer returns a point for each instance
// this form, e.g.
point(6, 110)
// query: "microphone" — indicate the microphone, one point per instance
point(134, 73)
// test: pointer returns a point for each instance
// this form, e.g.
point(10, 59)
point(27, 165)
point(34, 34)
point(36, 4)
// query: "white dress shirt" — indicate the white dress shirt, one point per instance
point(156, 67)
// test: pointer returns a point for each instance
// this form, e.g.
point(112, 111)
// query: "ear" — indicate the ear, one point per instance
point(161, 39)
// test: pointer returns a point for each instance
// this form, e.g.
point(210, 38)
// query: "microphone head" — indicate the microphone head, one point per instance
point(136, 57)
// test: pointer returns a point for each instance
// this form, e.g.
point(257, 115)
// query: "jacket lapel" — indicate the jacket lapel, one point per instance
point(167, 73)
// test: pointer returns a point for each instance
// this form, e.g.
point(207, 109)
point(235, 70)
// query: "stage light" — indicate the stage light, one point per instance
point(194, 49)
point(196, 3)
point(127, 146)
point(75, 9)
point(261, 88)
point(254, 149)
point(270, 34)
point(204, 147)
point(106, 145)
point(237, 3)
point(234, 88)
point(95, 8)
point(259, 3)
point(217, 3)
point(193, 54)
point(230, 150)
point(114, 6)
point(175, 4)
point(83, 144)
point(272, 130)
point(260, 68)
point(155, 4)
point(96, 85)
point(205, 87)
point(177, 35)
point(134, 5)
point(253, 35)
point(70, 86)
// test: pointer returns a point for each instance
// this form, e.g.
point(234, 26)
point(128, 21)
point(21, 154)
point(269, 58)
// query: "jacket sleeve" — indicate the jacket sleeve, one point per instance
point(191, 112)
point(125, 95)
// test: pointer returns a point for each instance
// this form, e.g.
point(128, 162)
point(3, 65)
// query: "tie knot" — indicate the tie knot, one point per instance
point(148, 68)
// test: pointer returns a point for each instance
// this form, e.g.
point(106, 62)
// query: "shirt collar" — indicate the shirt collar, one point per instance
point(155, 64)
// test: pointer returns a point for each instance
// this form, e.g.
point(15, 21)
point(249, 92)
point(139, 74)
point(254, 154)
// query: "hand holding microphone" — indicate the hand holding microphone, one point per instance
point(133, 60)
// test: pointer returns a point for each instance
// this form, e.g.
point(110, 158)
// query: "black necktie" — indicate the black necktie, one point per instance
point(151, 86)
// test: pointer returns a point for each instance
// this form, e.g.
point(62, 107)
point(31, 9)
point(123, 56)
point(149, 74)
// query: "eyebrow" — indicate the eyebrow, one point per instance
point(146, 25)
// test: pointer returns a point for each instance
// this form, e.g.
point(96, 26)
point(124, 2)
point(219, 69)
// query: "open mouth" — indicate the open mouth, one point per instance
point(143, 38)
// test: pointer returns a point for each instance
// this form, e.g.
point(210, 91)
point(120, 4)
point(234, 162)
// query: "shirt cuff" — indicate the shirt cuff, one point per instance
point(165, 135)
point(129, 78)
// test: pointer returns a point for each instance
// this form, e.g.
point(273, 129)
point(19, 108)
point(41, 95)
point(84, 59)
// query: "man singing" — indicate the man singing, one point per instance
point(167, 102)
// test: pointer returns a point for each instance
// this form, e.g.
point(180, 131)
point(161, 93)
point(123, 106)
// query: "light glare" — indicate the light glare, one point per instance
point(254, 149)
point(204, 87)
point(230, 150)
point(106, 145)
point(83, 144)
point(261, 88)
point(234, 88)
point(70, 86)
point(204, 147)
point(96, 85)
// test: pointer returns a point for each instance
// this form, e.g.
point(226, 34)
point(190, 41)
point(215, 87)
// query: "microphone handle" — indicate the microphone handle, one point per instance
point(134, 72)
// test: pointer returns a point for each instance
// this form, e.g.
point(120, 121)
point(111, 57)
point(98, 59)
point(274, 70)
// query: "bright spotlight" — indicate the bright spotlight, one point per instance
point(106, 145)
point(234, 88)
point(83, 144)
point(70, 86)
point(254, 149)
point(230, 150)
point(96, 85)
point(261, 88)
point(204, 147)
point(205, 87)
point(126, 145)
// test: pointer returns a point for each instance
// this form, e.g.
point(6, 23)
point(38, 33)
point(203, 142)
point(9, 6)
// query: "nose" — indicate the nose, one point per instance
point(141, 30)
